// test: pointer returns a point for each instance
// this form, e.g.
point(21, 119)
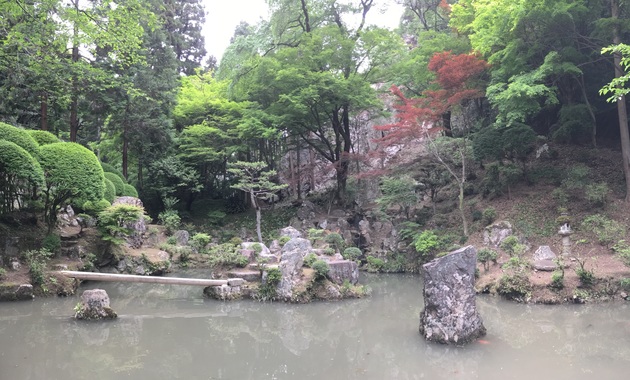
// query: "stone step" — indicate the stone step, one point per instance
point(246, 274)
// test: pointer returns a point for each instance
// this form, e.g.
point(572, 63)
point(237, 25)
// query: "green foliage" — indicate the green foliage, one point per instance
point(586, 276)
point(310, 259)
point(577, 177)
point(597, 193)
point(515, 286)
point(113, 222)
point(560, 196)
point(257, 247)
point(283, 240)
point(172, 240)
point(274, 275)
point(315, 235)
point(485, 255)
point(109, 168)
point(3, 273)
point(489, 215)
point(622, 249)
point(118, 182)
point(71, 171)
point(509, 244)
point(43, 137)
point(351, 253)
point(557, 279)
point(375, 264)
point(329, 251)
point(93, 208)
point(606, 230)
point(20, 137)
point(624, 283)
point(216, 217)
point(200, 241)
point(129, 191)
point(36, 261)
point(335, 240)
point(110, 191)
point(51, 243)
point(20, 173)
point(171, 220)
point(321, 269)
point(574, 124)
point(427, 244)
point(398, 191)
point(226, 255)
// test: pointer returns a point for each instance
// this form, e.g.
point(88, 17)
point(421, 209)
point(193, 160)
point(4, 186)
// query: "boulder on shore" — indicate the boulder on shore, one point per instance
point(450, 313)
point(290, 266)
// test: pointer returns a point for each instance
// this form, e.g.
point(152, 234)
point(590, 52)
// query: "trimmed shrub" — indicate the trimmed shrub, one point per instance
point(200, 241)
point(119, 184)
point(426, 244)
point(310, 259)
point(485, 255)
point(110, 191)
point(51, 243)
point(321, 269)
point(335, 240)
point(129, 191)
point(109, 168)
point(20, 137)
point(112, 222)
point(351, 253)
point(489, 215)
point(43, 137)
point(171, 220)
point(93, 208)
point(20, 171)
point(72, 171)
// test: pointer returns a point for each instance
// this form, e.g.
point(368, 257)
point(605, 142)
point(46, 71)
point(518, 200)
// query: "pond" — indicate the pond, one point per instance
point(172, 332)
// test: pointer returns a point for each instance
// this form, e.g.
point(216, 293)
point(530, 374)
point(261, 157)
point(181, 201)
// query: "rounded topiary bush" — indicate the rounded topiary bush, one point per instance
point(119, 184)
point(352, 253)
point(20, 137)
point(110, 190)
point(43, 137)
point(71, 171)
point(20, 172)
point(109, 168)
point(321, 269)
point(129, 191)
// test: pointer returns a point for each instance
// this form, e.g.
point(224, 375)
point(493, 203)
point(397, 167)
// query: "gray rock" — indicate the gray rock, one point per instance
point(94, 305)
point(11, 248)
point(21, 292)
point(65, 217)
point(14, 264)
point(495, 233)
point(248, 275)
point(138, 228)
point(545, 265)
point(275, 247)
point(544, 252)
point(450, 314)
point(181, 237)
point(342, 270)
point(291, 262)
point(290, 232)
point(223, 292)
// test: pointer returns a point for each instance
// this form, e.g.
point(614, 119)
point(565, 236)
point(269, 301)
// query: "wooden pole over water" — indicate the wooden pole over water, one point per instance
point(148, 279)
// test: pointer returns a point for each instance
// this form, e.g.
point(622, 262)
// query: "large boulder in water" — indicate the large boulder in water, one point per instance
point(450, 311)
point(94, 305)
point(342, 270)
point(291, 262)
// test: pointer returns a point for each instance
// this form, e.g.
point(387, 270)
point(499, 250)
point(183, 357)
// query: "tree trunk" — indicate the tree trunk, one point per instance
point(622, 111)
point(74, 101)
point(44, 112)
point(258, 216)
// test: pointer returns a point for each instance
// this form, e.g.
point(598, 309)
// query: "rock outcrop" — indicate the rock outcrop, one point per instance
point(16, 292)
point(135, 239)
point(544, 259)
point(291, 262)
point(495, 233)
point(450, 311)
point(94, 305)
point(343, 270)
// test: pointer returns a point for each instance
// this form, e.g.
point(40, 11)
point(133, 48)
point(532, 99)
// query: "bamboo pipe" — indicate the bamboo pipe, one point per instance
point(148, 279)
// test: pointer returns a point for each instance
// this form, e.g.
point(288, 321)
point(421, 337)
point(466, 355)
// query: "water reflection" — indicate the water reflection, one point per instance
point(171, 332)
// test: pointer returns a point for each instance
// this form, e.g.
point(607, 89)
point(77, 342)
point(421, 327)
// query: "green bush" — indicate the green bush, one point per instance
point(3, 273)
point(283, 240)
point(606, 230)
point(329, 251)
point(216, 217)
point(110, 191)
point(51, 243)
point(112, 222)
point(427, 244)
point(577, 177)
point(109, 168)
point(560, 196)
point(20, 173)
point(335, 240)
point(586, 276)
point(93, 208)
point(274, 275)
point(489, 215)
point(226, 254)
point(597, 194)
point(321, 269)
point(375, 264)
point(557, 279)
point(315, 235)
point(72, 171)
point(43, 137)
point(20, 137)
point(118, 182)
point(515, 286)
point(509, 244)
point(623, 251)
point(36, 261)
point(485, 255)
point(351, 253)
point(171, 220)
point(129, 191)
point(200, 241)
point(310, 259)
point(398, 191)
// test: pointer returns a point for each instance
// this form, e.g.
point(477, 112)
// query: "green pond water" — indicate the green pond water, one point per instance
point(172, 332)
